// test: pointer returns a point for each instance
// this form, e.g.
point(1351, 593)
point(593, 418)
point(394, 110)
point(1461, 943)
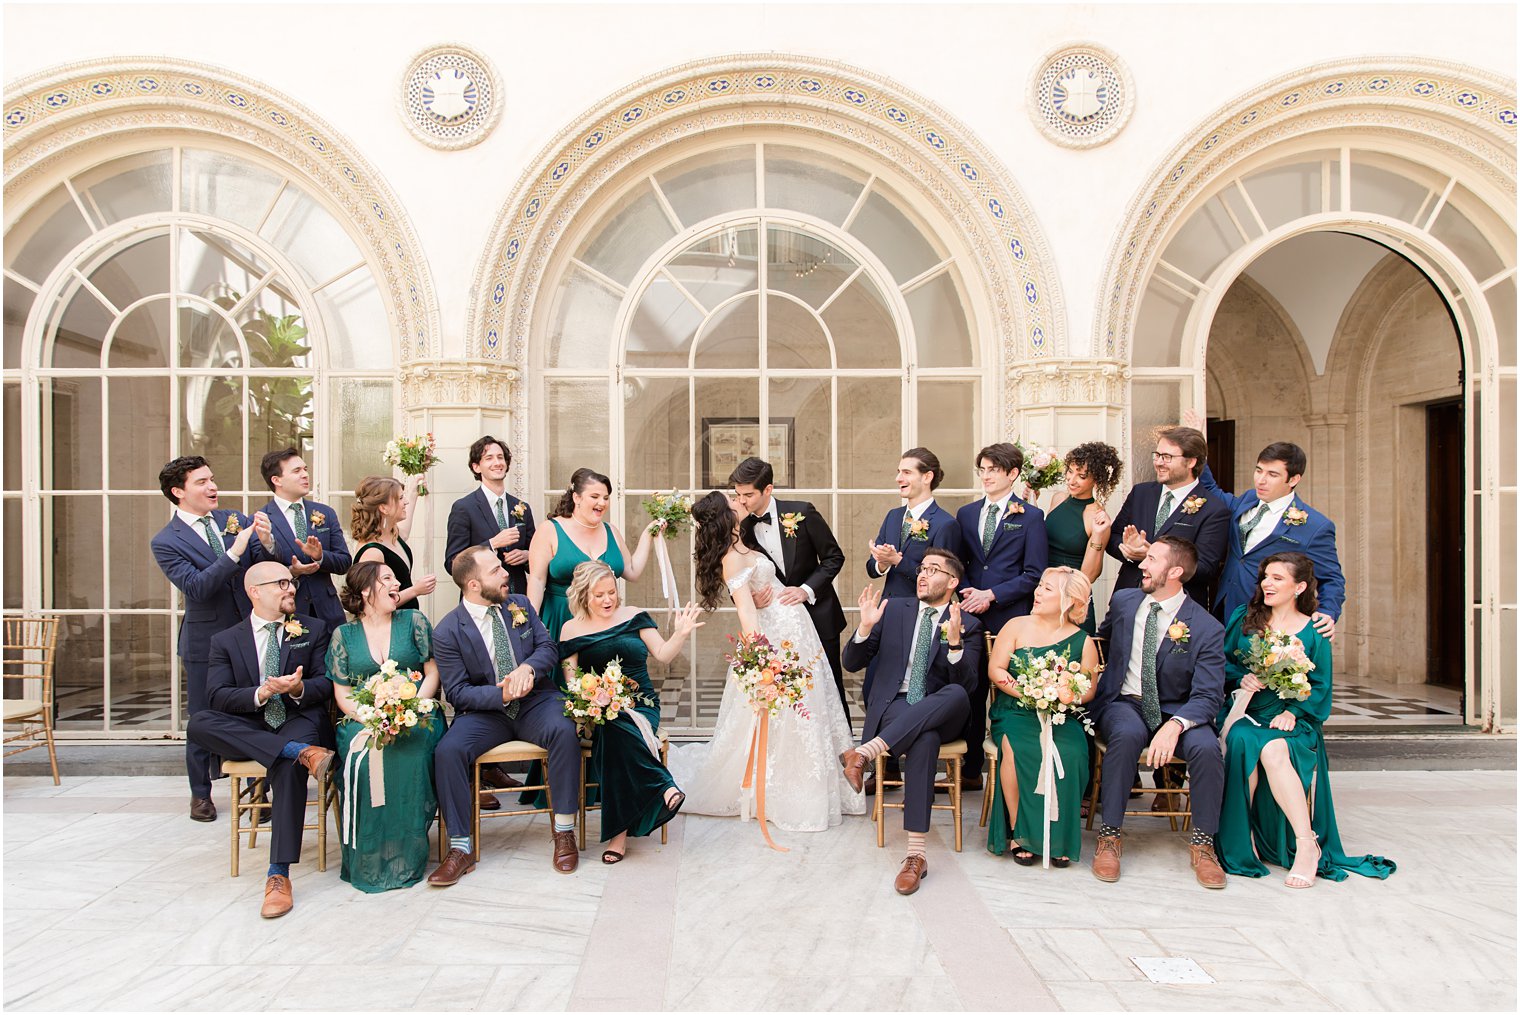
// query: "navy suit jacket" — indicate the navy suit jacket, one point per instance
point(464, 663)
point(902, 578)
point(212, 585)
point(316, 596)
point(888, 646)
point(1315, 538)
point(1208, 529)
point(1189, 675)
point(1012, 568)
point(472, 522)
point(812, 557)
point(234, 674)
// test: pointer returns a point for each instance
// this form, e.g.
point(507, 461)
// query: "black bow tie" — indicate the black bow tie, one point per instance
point(765, 518)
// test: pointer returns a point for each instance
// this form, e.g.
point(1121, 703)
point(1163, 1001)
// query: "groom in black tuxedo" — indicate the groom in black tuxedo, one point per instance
point(807, 556)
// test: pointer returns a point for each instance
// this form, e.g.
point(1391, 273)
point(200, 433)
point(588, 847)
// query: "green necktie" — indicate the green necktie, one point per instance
point(506, 659)
point(989, 528)
point(923, 651)
point(216, 541)
point(907, 525)
point(298, 521)
point(501, 514)
point(1248, 525)
point(1150, 699)
point(274, 708)
point(1163, 512)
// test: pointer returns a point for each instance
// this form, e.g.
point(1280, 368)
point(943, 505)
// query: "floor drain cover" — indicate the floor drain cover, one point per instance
point(1172, 970)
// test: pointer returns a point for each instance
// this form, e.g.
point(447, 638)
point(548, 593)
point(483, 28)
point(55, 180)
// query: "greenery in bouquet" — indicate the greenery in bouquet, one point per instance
point(673, 508)
point(772, 677)
point(413, 456)
point(592, 698)
point(1043, 468)
point(1278, 660)
point(1052, 684)
point(389, 703)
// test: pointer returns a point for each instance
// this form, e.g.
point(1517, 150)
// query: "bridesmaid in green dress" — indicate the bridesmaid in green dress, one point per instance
point(384, 847)
point(1293, 825)
point(638, 795)
point(1077, 525)
point(1060, 601)
point(381, 519)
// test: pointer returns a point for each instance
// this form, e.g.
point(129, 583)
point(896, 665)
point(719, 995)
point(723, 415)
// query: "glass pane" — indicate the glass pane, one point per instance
point(855, 526)
point(806, 266)
point(1284, 193)
point(10, 511)
point(795, 180)
point(307, 234)
point(1382, 192)
point(800, 412)
point(1158, 331)
point(1203, 242)
point(794, 338)
point(211, 425)
point(18, 305)
point(870, 431)
point(142, 337)
point(207, 340)
point(134, 272)
point(73, 440)
point(363, 415)
point(707, 648)
point(1453, 228)
point(632, 230)
point(947, 425)
point(76, 573)
point(52, 227)
point(722, 265)
point(672, 680)
point(645, 592)
point(356, 326)
point(10, 462)
point(656, 434)
point(139, 441)
point(710, 184)
point(728, 409)
point(142, 668)
point(581, 322)
point(226, 187)
point(577, 427)
point(1155, 403)
point(663, 326)
point(79, 687)
point(731, 338)
point(865, 335)
point(135, 185)
point(1501, 303)
point(213, 265)
point(136, 583)
point(77, 338)
point(940, 328)
point(1507, 414)
point(892, 236)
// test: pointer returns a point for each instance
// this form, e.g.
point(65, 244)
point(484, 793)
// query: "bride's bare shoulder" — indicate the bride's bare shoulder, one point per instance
point(735, 562)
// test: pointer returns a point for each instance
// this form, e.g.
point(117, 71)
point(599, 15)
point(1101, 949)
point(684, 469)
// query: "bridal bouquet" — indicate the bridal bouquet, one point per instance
point(772, 678)
point(1042, 466)
point(592, 698)
point(1279, 661)
point(1052, 684)
point(389, 703)
point(674, 509)
point(414, 456)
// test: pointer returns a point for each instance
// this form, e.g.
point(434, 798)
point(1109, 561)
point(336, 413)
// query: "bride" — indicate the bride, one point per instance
point(805, 786)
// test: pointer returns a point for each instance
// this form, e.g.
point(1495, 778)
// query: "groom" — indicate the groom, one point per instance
point(807, 556)
point(925, 652)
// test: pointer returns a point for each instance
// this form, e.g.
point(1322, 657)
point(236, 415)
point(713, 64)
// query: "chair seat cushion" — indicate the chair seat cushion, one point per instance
point(513, 750)
point(21, 708)
point(245, 769)
point(953, 749)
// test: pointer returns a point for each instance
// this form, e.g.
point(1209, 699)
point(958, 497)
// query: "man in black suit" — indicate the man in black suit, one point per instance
point(807, 556)
point(925, 651)
point(490, 516)
point(268, 691)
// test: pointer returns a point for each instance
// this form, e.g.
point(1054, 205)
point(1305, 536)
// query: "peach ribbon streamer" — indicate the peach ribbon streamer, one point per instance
point(357, 751)
point(754, 771)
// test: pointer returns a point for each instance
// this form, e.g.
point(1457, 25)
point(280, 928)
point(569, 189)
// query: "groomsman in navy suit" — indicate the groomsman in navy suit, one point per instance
point(497, 665)
point(268, 693)
point(490, 516)
point(1177, 504)
point(1005, 552)
point(1158, 697)
point(925, 650)
point(304, 535)
point(204, 552)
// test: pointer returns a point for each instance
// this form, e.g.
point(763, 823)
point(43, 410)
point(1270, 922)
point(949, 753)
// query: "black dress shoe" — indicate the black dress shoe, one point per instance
point(202, 809)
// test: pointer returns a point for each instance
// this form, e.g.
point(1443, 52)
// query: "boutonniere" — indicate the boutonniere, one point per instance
point(944, 631)
point(919, 529)
point(233, 526)
point(317, 519)
point(789, 523)
point(519, 615)
point(1192, 505)
point(520, 511)
point(1014, 508)
point(1179, 634)
point(1295, 516)
point(294, 628)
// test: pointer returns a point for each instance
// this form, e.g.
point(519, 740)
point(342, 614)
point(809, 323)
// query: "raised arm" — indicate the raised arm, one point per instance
point(409, 498)
point(666, 649)
point(633, 566)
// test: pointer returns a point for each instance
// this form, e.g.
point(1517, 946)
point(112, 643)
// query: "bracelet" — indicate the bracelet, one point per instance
point(1095, 546)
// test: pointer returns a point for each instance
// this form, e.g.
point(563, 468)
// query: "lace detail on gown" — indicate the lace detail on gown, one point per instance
point(805, 789)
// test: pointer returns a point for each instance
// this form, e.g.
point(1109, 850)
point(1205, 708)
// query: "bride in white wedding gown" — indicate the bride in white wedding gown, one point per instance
point(805, 788)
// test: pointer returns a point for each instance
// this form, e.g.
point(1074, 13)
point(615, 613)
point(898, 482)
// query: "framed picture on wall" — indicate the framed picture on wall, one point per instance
point(729, 440)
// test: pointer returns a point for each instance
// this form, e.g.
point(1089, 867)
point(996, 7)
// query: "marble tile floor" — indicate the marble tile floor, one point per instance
point(112, 874)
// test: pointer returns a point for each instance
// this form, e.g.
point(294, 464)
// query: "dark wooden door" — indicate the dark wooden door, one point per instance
point(1222, 453)
point(1446, 543)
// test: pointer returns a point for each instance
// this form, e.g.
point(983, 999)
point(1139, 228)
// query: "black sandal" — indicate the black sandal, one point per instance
point(671, 809)
point(611, 856)
point(1060, 861)
point(1027, 860)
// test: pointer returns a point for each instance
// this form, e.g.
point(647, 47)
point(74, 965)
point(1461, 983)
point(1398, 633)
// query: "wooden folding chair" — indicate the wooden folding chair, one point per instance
point(29, 651)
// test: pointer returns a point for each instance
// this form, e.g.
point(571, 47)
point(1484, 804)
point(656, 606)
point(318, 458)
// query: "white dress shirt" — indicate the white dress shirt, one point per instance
point(498, 502)
point(194, 521)
point(285, 506)
point(999, 506)
point(954, 655)
point(915, 513)
point(261, 646)
point(480, 613)
point(768, 535)
point(1169, 608)
point(1267, 522)
point(1179, 495)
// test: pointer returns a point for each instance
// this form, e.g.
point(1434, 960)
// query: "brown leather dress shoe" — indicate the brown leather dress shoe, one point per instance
point(489, 802)
point(566, 856)
point(854, 768)
point(202, 809)
point(494, 777)
point(914, 869)
point(1106, 858)
point(318, 761)
point(970, 783)
point(1206, 866)
point(455, 866)
point(277, 898)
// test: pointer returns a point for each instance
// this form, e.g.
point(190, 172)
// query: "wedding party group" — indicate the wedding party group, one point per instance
point(1212, 664)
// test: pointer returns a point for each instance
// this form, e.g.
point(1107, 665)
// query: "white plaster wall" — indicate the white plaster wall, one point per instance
point(344, 61)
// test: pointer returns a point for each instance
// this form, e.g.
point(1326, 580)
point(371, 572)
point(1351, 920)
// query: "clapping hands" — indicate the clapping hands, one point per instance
point(1134, 544)
point(312, 547)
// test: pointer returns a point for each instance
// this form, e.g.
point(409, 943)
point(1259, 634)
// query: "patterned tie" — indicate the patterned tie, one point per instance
point(907, 525)
point(211, 537)
point(506, 659)
point(989, 527)
point(1164, 511)
point(923, 651)
point(1248, 525)
point(501, 514)
point(274, 708)
point(1150, 699)
point(298, 522)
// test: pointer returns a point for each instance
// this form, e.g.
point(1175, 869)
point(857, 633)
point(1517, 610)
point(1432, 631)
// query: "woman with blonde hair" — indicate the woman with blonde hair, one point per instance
point(1061, 601)
point(380, 520)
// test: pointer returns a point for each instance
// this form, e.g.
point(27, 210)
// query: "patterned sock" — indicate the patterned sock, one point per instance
point(1197, 838)
point(564, 822)
point(872, 749)
point(460, 842)
point(916, 843)
point(1106, 830)
point(282, 869)
point(293, 749)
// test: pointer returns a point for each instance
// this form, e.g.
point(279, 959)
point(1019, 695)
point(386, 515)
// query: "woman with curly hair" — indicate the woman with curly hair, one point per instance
point(1078, 524)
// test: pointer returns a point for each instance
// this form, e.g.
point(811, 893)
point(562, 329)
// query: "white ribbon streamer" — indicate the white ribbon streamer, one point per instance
point(645, 730)
point(1241, 702)
point(1051, 770)
point(667, 574)
point(358, 750)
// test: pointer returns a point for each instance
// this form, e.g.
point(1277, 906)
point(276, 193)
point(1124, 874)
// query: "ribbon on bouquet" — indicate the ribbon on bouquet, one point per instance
point(754, 773)
point(668, 587)
point(1051, 770)
point(364, 746)
point(645, 730)
point(1241, 702)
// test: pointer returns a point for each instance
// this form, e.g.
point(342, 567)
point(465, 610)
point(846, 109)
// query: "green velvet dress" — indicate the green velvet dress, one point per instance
point(568, 556)
point(1066, 534)
point(1253, 831)
point(633, 781)
point(388, 847)
point(1022, 728)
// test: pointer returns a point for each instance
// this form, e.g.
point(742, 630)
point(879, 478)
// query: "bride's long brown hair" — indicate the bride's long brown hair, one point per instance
point(714, 536)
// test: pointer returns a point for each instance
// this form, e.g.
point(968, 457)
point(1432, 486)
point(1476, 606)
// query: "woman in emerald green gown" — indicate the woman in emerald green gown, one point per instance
point(1293, 824)
point(384, 847)
point(1018, 809)
point(637, 792)
point(1077, 525)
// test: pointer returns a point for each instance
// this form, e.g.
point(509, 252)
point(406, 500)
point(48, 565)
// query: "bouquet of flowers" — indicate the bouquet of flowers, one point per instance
point(1042, 466)
point(414, 456)
point(592, 698)
point(772, 678)
point(674, 509)
point(1052, 684)
point(1279, 661)
point(388, 702)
